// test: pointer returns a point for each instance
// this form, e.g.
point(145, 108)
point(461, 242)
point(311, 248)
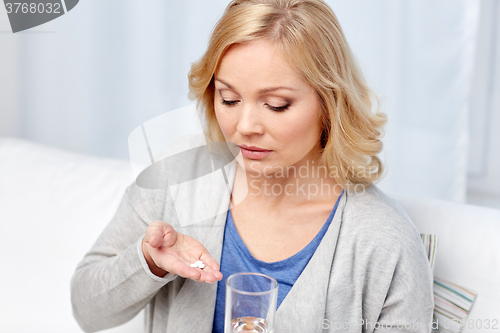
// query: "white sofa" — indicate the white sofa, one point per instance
point(54, 204)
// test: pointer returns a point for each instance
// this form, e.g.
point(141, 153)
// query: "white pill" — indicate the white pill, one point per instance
point(198, 264)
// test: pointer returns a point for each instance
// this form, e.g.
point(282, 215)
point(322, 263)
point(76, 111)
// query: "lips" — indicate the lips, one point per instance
point(254, 153)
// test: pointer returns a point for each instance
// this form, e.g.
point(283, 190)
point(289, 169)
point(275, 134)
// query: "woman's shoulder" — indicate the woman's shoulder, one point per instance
point(375, 218)
point(370, 199)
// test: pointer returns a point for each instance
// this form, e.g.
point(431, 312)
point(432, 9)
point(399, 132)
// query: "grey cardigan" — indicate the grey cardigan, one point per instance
point(369, 273)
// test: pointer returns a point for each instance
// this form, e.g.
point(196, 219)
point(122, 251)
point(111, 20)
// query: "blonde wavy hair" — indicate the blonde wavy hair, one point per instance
point(309, 35)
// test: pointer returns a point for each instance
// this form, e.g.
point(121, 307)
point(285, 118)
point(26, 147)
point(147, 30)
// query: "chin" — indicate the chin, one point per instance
point(256, 169)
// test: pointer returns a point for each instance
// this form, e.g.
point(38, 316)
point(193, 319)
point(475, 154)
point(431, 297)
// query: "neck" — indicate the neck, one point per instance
point(308, 182)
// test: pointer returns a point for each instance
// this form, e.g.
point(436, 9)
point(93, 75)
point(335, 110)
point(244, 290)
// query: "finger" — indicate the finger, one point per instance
point(169, 235)
point(211, 265)
point(205, 275)
point(210, 275)
point(208, 260)
point(154, 234)
point(160, 233)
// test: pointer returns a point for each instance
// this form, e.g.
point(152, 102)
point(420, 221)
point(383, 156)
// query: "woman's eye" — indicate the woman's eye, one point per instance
point(279, 108)
point(228, 102)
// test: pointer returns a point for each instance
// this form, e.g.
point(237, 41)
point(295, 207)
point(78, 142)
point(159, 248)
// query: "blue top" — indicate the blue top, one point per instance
point(237, 258)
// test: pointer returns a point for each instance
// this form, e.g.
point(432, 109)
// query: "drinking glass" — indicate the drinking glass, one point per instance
point(250, 303)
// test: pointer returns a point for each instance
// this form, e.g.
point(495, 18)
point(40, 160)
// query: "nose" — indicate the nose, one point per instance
point(250, 121)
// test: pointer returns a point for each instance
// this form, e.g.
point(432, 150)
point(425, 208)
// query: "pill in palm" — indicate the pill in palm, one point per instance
point(198, 264)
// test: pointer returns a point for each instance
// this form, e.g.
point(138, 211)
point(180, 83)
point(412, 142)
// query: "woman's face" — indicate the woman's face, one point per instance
point(263, 106)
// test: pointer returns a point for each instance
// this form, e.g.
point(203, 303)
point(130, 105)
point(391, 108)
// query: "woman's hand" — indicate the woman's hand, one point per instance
point(168, 251)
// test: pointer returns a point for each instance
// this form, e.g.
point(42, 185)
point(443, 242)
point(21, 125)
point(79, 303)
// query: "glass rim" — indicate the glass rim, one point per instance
point(254, 293)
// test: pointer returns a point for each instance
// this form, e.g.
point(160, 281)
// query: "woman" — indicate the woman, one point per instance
point(278, 81)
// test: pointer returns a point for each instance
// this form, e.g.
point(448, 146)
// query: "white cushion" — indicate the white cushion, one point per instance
point(468, 253)
point(53, 206)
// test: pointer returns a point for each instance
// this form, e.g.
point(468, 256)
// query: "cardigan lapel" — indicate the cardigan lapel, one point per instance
point(195, 297)
point(303, 309)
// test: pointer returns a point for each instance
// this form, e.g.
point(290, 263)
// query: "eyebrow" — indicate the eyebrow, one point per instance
point(261, 91)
